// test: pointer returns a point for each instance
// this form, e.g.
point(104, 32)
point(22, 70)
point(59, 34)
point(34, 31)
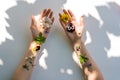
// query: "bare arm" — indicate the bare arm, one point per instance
point(26, 66)
point(88, 65)
point(74, 31)
point(40, 30)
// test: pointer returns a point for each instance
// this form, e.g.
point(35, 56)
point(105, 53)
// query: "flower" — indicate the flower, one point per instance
point(89, 65)
point(25, 66)
point(78, 48)
point(36, 48)
point(65, 17)
point(45, 21)
point(70, 27)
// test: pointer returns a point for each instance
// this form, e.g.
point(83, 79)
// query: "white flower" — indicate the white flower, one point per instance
point(45, 22)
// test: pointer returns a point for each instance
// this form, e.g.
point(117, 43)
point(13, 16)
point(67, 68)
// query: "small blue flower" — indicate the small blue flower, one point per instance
point(89, 65)
point(46, 32)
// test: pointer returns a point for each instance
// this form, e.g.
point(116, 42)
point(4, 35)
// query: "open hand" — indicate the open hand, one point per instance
point(38, 27)
point(73, 29)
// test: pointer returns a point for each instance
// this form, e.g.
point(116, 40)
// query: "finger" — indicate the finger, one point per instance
point(70, 13)
point(51, 14)
point(32, 20)
point(47, 12)
point(62, 23)
point(43, 13)
point(60, 15)
point(65, 11)
point(82, 21)
point(53, 20)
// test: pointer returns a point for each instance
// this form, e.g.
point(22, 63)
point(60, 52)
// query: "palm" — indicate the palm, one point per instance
point(35, 24)
point(78, 26)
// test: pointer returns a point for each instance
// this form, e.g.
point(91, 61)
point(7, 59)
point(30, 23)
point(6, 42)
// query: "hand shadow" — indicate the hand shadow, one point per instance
point(100, 40)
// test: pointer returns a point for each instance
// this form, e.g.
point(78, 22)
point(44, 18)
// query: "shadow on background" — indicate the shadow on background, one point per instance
point(59, 60)
point(100, 40)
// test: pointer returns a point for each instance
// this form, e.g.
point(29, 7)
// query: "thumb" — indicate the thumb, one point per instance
point(32, 20)
point(82, 21)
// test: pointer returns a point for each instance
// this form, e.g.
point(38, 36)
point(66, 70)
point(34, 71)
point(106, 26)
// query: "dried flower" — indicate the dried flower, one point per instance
point(25, 66)
point(45, 22)
point(78, 48)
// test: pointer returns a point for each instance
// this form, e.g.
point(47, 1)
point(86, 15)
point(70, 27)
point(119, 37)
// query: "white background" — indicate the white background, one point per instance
point(101, 36)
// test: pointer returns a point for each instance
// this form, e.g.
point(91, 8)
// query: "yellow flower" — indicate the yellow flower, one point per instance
point(34, 49)
point(65, 17)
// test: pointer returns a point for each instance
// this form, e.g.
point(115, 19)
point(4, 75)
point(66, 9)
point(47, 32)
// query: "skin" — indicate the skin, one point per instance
point(93, 72)
point(21, 73)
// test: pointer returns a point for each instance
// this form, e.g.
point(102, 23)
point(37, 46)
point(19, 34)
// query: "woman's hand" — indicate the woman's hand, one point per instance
point(73, 29)
point(43, 24)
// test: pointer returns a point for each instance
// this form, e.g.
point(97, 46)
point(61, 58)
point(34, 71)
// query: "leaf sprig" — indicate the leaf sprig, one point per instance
point(40, 39)
point(25, 66)
point(83, 59)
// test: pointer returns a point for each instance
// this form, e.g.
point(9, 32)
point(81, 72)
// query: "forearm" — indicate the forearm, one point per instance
point(26, 66)
point(88, 65)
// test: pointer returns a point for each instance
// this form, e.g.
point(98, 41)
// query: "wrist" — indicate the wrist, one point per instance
point(77, 46)
point(76, 42)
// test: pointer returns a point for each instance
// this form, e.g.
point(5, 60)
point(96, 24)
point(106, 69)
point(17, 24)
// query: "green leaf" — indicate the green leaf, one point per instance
point(40, 35)
point(41, 39)
point(83, 59)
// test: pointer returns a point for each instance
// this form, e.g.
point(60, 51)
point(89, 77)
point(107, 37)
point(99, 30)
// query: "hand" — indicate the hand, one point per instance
point(77, 30)
point(36, 26)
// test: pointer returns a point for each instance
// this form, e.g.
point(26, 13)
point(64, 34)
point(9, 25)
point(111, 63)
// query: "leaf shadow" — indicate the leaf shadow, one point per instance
point(100, 40)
